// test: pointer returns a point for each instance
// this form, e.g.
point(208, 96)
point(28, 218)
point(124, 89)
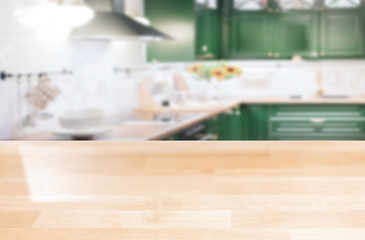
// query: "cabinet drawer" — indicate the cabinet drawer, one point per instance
point(317, 111)
point(334, 122)
point(317, 127)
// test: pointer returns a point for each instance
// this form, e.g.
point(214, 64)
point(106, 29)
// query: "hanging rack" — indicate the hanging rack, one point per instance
point(6, 75)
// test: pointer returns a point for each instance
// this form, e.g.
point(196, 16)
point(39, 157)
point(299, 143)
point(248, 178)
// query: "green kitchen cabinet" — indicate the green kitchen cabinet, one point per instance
point(174, 137)
point(212, 128)
point(296, 34)
point(251, 36)
point(236, 124)
point(177, 19)
point(275, 30)
point(296, 28)
point(250, 29)
point(258, 116)
point(230, 125)
point(208, 29)
point(342, 33)
point(224, 127)
point(317, 122)
point(287, 122)
point(245, 126)
point(281, 29)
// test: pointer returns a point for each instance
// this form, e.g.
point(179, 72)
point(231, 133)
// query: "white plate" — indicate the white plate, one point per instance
point(77, 133)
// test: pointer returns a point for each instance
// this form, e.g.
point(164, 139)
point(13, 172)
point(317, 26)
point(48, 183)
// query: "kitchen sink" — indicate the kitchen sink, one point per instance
point(335, 97)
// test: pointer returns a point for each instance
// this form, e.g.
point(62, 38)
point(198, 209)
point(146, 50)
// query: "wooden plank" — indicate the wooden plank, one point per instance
point(189, 190)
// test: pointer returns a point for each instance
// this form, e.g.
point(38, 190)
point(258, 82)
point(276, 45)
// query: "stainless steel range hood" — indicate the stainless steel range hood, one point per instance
point(111, 23)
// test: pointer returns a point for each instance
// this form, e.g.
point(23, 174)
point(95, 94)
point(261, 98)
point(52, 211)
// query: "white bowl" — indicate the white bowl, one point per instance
point(83, 119)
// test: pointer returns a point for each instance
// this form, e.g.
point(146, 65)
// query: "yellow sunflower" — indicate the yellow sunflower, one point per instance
point(219, 73)
point(231, 70)
point(195, 68)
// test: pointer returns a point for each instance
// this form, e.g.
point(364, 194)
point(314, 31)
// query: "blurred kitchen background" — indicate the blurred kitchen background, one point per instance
point(132, 70)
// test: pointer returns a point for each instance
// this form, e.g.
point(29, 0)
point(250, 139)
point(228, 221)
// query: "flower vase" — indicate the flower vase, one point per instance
point(212, 93)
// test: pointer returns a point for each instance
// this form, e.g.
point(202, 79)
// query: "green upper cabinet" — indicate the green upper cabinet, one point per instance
point(342, 29)
point(251, 36)
point(257, 29)
point(250, 29)
point(272, 29)
point(177, 19)
point(296, 28)
point(208, 34)
point(285, 28)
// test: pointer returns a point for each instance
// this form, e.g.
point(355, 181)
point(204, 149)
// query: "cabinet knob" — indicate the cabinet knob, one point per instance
point(270, 10)
point(277, 10)
point(277, 55)
point(323, 53)
point(270, 54)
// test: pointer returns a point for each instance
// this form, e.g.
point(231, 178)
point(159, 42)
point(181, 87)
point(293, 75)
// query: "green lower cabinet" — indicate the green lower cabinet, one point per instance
point(257, 123)
point(287, 122)
point(236, 124)
point(230, 125)
point(212, 128)
point(245, 134)
point(224, 128)
point(172, 138)
point(317, 122)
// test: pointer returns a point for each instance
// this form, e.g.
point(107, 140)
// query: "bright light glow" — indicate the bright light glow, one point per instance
point(142, 20)
point(53, 16)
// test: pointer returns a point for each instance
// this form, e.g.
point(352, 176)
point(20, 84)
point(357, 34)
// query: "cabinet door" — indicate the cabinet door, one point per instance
point(297, 34)
point(212, 128)
point(342, 31)
point(245, 125)
point(208, 34)
point(224, 127)
point(236, 125)
point(177, 19)
point(230, 125)
point(251, 29)
point(258, 120)
point(296, 28)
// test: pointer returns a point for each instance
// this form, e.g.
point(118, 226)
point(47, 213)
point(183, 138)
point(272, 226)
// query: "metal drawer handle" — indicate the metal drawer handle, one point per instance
point(318, 120)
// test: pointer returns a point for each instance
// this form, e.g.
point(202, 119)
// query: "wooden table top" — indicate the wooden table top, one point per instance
point(182, 190)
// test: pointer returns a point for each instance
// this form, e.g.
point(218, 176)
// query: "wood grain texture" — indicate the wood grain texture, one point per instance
point(187, 190)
